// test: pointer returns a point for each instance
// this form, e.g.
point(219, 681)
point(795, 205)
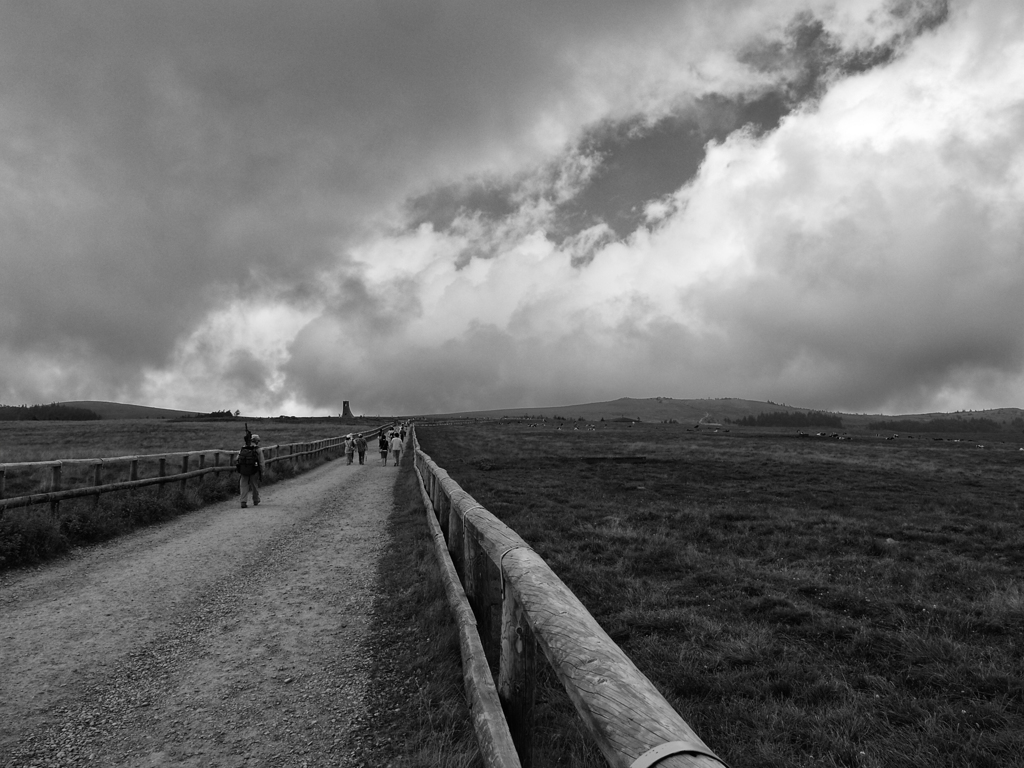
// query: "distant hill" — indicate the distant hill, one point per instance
point(51, 412)
point(126, 411)
point(651, 409)
point(642, 409)
point(718, 410)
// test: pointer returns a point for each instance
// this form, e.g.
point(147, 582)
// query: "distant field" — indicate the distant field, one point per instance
point(49, 440)
point(35, 534)
point(801, 601)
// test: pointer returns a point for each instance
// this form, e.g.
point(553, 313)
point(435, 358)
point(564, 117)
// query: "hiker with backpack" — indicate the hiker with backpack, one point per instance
point(249, 465)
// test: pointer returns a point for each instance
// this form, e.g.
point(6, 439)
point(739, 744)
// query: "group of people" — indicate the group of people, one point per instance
point(249, 462)
point(390, 441)
point(355, 444)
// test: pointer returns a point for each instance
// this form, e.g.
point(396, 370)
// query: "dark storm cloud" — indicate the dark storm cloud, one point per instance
point(440, 207)
point(812, 57)
point(246, 372)
point(158, 157)
point(862, 252)
point(508, 202)
point(638, 161)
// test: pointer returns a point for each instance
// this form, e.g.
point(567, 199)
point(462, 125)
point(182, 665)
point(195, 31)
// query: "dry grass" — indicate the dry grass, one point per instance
point(27, 441)
point(33, 534)
point(801, 602)
point(418, 712)
point(50, 440)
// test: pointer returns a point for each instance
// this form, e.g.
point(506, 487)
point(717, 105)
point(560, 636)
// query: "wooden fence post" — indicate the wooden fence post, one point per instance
point(133, 469)
point(184, 469)
point(55, 478)
point(3, 480)
point(202, 465)
point(435, 489)
point(517, 675)
point(97, 480)
point(470, 555)
point(482, 584)
point(455, 544)
point(162, 473)
point(444, 510)
point(489, 612)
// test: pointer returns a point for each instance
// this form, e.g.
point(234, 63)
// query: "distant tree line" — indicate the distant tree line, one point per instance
point(51, 412)
point(794, 419)
point(938, 425)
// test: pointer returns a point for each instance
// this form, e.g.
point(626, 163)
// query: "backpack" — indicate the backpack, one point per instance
point(247, 462)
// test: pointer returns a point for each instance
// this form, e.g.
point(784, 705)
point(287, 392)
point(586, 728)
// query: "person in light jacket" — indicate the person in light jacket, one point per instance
point(396, 448)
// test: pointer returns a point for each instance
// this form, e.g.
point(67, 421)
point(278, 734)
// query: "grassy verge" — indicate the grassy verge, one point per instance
point(416, 705)
point(49, 440)
point(32, 535)
point(800, 602)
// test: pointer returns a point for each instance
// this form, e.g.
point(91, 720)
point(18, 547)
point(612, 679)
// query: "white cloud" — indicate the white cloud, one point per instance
point(233, 361)
point(868, 251)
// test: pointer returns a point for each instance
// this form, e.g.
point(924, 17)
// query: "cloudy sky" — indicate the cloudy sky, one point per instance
point(440, 205)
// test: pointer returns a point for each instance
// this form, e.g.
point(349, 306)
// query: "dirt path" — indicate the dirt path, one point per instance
point(228, 637)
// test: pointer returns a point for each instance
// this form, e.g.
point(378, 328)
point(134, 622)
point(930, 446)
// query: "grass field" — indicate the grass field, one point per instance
point(48, 440)
point(800, 601)
point(34, 534)
point(22, 441)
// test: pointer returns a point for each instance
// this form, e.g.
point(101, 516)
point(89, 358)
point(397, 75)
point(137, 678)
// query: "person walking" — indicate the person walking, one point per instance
point(361, 448)
point(249, 465)
point(382, 446)
point(350, 448)
point(257, 497)
point(396, 448)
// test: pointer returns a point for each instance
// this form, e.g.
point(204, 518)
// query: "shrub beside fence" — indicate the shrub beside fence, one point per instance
point(292, 452)
point(519, 604)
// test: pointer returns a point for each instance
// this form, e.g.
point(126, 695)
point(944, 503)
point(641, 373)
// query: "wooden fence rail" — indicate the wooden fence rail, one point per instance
point(519, 604)
point(56, 494)
point(492, 731)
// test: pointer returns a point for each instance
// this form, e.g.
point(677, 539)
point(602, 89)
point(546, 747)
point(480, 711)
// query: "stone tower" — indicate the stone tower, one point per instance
point(346, 412)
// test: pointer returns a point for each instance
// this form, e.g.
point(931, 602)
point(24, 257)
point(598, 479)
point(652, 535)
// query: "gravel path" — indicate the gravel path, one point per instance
point(228, 637)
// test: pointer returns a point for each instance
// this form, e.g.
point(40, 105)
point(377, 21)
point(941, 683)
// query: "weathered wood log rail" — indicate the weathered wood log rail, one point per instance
point(519, 604)
point(56, 494)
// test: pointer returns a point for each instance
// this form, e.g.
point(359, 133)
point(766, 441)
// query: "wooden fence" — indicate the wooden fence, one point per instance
point(517, 604)
point(56, 493)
